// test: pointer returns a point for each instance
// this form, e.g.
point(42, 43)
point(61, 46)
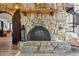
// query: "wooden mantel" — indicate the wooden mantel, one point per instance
point(39, 11)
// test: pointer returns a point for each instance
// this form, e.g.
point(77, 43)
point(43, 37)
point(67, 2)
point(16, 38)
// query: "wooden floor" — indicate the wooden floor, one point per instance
point(6, 46)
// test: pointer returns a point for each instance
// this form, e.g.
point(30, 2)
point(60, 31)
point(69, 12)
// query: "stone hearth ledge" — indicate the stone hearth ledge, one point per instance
point(44, 47)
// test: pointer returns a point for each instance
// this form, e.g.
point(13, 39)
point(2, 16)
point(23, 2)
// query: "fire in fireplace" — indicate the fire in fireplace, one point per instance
point(38, 33)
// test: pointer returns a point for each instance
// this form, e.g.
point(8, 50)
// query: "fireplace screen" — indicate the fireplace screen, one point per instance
point(38, 33)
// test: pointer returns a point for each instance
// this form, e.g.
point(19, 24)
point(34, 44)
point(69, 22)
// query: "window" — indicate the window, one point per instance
point(69, 24)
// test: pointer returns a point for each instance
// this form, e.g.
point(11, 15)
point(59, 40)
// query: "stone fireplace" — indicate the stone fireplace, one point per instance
point(41, 33)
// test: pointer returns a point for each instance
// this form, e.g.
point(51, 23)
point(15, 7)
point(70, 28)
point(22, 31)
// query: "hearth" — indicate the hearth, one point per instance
point(38, 33)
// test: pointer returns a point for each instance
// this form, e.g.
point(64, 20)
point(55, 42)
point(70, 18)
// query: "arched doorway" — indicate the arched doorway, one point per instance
point(38, 33)
point(5, 32)
point(5, 22)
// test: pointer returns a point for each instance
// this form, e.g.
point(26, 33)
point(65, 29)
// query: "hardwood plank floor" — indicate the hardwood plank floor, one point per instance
point(6, 46)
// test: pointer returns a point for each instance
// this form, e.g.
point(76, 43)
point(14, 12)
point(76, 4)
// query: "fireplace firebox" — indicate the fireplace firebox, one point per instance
point(38, 33)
